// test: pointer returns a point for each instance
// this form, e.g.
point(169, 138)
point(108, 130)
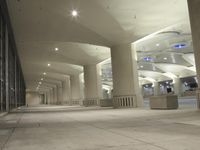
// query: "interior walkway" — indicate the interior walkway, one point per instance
point(79, 128)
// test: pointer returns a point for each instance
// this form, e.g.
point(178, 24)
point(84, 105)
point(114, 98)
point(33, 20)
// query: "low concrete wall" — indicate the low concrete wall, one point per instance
point(164, 102)
point(106, 102)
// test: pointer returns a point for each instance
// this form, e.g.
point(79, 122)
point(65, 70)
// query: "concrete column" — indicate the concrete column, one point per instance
point(194, 13)
point(177, 86)
point(93, 85)
point(156, 88)
point(75, 89)
point(55, 95)
point(7, 72)
point(66, 91)
point(60, 94)
point(126, 91)
point(82, 88)
point(48, 97)
point(51, 96)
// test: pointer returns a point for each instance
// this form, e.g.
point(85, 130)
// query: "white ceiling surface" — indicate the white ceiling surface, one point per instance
point(41, 25)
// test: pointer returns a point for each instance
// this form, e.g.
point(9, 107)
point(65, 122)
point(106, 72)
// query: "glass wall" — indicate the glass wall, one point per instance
point(12, 85)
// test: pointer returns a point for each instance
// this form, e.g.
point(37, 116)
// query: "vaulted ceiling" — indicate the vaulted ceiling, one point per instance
point(40, 26)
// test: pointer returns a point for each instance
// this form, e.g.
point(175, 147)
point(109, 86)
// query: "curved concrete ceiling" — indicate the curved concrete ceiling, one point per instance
point(40, 26)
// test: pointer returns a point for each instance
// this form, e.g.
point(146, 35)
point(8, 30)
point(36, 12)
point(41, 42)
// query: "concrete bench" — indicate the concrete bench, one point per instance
point(164, 102)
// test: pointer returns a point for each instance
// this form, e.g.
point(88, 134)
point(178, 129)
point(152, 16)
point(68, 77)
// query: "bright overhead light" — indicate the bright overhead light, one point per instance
point(44, 73)
point(74, 13)
point(157, 44)
point(141, 66)
point(180, 45)
point(42, 79)
point(48, 65)
point(40, 82)
point(148, 58)
point(56, 49)
point(165, 58)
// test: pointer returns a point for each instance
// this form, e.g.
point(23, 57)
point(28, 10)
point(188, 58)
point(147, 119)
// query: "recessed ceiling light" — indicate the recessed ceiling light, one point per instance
point(48, 65)
point(74, 13)
point(42, 79)
point(157, 44)
point(40, 82)
point(148, 58)
point(56, 49)
point(165, 58)
point(44, 73)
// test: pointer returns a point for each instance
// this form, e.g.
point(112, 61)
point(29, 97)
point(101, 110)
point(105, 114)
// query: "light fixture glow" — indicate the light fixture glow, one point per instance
point(141, 66)
point(148, 58)
point(56, 49)
point(48, 65)
point(40, 82)
point(180, 45)
point(157, 44)
point(44, 73)
point(74, 13)
point(165, 58)
point(42, 79)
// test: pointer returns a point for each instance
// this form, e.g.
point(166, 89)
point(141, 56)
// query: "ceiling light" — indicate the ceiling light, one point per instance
point(40, 82)
point(48, 65)
point(157, 44)
point(74, 13)
point(148, 58)
point(56, 49)
point(44, 73)
point(180, 45)
point(141, 66)
point(165, 58)
point(42, 79)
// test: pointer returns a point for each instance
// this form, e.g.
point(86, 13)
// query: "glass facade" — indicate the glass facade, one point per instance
point(12, 85)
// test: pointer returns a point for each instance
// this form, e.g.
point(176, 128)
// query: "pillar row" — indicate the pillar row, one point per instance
point(126, 91)
point(93, 85)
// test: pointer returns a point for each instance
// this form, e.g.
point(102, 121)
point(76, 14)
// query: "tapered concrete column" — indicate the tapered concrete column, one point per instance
point(67, 92)
point(126, 91)
point(75, 89)
point(55, 95)
point(48, 97)
point(60, 94)
point(45, 97)
point(194, 13)
point(82, 88)
point(156, 88)
point(177, 86)
point(93, 85)
point(51, 96)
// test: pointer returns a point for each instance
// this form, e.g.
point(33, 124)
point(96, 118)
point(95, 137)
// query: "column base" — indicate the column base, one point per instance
point(126, 101)
point(91, 102)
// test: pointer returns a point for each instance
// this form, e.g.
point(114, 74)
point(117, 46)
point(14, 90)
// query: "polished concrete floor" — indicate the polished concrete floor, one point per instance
point(93, 128)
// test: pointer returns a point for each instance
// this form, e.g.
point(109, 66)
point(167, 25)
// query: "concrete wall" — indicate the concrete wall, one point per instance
point(33, 98)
